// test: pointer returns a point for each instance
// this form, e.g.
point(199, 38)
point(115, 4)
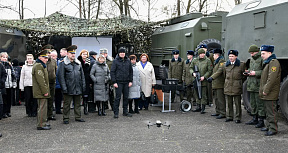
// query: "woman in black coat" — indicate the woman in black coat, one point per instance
point(86, 65)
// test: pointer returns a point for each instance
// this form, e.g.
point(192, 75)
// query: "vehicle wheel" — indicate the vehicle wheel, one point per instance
point(246, 97)
point(283, 98)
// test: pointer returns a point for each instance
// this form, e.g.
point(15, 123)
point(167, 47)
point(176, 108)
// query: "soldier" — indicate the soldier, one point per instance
point(41, 91)
point(72, 81)
point(218, 84)
point(122, 77)
point(187, 76)
point(269, 88)
point(233, 72)
point(109, 61)
point(176, 65)
point(51, 68)
point(205, 69)
point(209, 85)
point(253, 80)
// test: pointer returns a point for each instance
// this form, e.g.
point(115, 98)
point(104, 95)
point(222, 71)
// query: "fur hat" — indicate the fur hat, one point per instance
point(121, 50)
point(234, 52)
point(267, 48)
point(103, 51)
point(217, 50)
point(190, 52)
point(203, 46)
point(175, 52)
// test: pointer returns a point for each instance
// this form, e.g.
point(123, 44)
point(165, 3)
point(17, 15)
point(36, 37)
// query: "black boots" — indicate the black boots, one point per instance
point(85, 107)
point(198, 108)
point(260, 123)
point(1, 111)
point(130, 106)
point(99, 108)
point(254, 121)
point(203, 109)
point(103, 110)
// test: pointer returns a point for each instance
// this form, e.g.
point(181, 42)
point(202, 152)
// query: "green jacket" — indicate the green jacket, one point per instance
point(256, 64)
point(218, 75)
point(205, 68)
point(270, 79)
point(210, 56)
point(176, 69)
point(109, 61)
point(40, 81)
point(52, 69)
point(187, 76)
point(234, 77)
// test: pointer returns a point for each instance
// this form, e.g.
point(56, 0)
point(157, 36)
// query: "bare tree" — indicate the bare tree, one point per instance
point(80, 9)
point(178, 8)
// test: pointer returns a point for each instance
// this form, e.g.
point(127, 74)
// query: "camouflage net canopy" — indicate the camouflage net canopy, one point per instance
point(60, 24)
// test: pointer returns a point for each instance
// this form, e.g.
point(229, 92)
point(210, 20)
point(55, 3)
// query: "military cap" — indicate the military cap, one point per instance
point(121, 50)
point(267, 48)
point(203, 46)
point(92, 53)
point(190, 52)
point(234, 52)
point(253, 48)
point(175, 52)
point(43, 53)
point(217, 50)
point(103, 51)
point(48, 46)
point(201, 51)
point(72, 49)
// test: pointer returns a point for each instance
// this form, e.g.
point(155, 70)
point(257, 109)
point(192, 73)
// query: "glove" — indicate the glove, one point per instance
point(209, 79)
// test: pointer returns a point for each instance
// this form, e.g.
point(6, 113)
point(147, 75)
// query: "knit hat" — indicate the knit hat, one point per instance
point(253, 48)
point(201, 51)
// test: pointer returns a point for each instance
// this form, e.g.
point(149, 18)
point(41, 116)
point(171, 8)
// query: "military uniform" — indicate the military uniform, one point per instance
point(270, 85)
point(218, 85)
point(233, 87)
point(176, 72)
point(188, 78)
point(40, 84)
point(205, 69)
point(256, 64)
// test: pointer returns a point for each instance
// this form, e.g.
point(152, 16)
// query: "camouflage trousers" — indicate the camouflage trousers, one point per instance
point(204, 99)
point(257, 104)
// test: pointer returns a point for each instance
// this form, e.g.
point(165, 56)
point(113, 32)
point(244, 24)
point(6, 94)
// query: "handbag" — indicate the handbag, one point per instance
point(142, 96)
point(154, 98)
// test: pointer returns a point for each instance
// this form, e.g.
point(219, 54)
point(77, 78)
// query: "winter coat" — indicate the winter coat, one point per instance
point(92, 60)
point(210, 56)
point(176, 69)
point(121, 70)
point(86, 69)
point(40, 80)
point(135, 89)
point(187, 76)
point(71, 77)
point(234, 77)
point(218, 75)
point(26, 76)
point(100, 75)
point(205, 68)
point(147, 76)
point(256, 64)
point(52, 68)
point(109, 61)
point(270, 79)
point(11, 81)
point(3, 76)
point(57, 85)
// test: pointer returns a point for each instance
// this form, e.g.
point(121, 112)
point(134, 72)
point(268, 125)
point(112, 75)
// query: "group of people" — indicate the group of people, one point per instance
point(94, 81)
point(226, 79)
point(88, 80)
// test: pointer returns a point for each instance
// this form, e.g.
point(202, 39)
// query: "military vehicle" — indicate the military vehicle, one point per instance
point(260, 22)
point(13, 42)
point(257, 22)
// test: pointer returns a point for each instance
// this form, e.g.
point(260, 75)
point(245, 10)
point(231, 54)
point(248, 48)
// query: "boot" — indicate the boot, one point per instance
point(254, 121)
point(130, 106)
point(198, 108)
point(1, 111)
point(203, 109)
point(99, 108)
point(260, 123)
point(85, 108)
point(103, 110)
point(136, 106)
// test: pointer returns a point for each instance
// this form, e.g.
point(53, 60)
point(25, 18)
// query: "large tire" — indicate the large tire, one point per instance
point(246, 97)
point(283, 98)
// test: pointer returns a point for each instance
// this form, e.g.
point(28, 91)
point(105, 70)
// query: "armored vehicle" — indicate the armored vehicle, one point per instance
point(260, 22)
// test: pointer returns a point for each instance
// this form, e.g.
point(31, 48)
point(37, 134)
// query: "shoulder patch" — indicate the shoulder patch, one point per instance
point(273, 69)
point(40, 72)
point(221, 64)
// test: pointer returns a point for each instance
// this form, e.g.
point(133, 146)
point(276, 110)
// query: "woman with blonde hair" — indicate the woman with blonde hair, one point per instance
point(147, 79)
point(100, 75)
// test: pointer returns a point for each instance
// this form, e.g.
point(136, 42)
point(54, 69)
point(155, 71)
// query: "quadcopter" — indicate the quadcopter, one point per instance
point(158, 124)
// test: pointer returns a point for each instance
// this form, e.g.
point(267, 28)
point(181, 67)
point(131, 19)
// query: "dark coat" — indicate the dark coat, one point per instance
point(3, 76)
point(11, 80)
point(86, 69)
point(40, 81)
point(270, 79)
point(121, 70)
point(71, 77)
point(100, 75)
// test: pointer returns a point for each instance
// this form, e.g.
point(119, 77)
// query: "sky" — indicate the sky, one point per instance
point(36, 8)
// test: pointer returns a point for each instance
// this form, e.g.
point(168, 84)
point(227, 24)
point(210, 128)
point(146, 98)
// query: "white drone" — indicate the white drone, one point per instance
point(158, 124)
